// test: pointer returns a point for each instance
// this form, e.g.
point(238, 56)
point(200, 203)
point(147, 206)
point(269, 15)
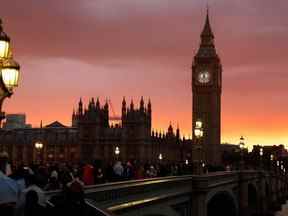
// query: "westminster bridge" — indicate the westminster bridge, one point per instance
point(234, 193)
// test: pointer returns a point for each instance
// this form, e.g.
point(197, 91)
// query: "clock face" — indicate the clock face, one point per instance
point(204, 77)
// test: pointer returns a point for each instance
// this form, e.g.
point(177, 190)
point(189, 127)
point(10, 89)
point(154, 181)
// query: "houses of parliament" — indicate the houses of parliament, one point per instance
point(92, 136)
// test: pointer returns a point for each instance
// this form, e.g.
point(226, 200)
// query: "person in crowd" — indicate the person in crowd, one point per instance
point(9, 192)
point(118, 170)
point(75, 204)
point(151, 172)
point(128, 173)
point(32, 185)
point(88, 176)
point(53, 182)
point(4, 163)
point(19, 176)
point(109, 173)
point(174, 170)
point(99, 178)
point(42, 176)
point(32, 206)
point(140, 172)
point(65, 175)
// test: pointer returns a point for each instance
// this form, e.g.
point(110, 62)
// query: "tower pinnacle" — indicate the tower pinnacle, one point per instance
point(207, 33)
point(207, 48)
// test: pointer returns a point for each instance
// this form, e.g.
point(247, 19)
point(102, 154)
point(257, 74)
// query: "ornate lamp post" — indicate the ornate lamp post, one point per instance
point(39, 146)
point(198, 132)
point(9, 70)
point(242, 146)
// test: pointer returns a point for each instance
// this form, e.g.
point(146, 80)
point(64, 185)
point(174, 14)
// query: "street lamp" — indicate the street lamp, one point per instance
point(160, 157)
point(39, 146)
point(277, 164)
point(198, 134)
point(117, 152)
point(242, 146)
point(198, 131)
point(202, 167)
point(261, 154)
point(271, 161)
point(9, 69)
point(186, 162)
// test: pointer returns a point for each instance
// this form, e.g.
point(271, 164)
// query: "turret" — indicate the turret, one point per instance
point(106, 106)
point(124, 110)
point(142, 104)
point(149, 107)
point(97, 104)
point(178, 132)
point(93, 103)
point(170, 130)
point(90, 106)
point(132, 106)
point(80, 107)
point(75, 118)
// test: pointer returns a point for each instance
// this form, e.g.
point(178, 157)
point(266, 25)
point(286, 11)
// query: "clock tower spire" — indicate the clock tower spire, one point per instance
point(206, 91)
point(207, 46)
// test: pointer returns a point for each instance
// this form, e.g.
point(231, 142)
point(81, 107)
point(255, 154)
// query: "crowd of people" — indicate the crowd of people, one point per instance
point(22, 188)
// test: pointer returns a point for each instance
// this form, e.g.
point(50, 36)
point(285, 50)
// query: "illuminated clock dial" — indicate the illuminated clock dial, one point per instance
point(204, 77)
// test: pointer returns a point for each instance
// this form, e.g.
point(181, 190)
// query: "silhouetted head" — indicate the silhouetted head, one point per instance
point(31, 198)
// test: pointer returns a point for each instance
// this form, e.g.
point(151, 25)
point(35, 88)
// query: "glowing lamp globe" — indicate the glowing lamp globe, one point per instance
point(4, 48)
point(38, 145)
point(10, 73)
point(117, 150)
point(198, 124)
point(198, 132)
point(4, 43)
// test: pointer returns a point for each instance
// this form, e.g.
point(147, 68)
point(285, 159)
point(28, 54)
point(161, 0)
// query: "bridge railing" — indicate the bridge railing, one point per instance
point(119, 196)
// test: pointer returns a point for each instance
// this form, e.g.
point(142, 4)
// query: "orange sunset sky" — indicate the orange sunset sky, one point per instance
point(87, 48)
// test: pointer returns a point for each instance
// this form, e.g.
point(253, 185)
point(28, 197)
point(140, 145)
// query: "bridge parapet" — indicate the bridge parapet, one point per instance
point(188, 195)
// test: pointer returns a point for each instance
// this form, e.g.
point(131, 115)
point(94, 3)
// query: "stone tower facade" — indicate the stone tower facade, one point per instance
point(133, 135)
point(206, 90)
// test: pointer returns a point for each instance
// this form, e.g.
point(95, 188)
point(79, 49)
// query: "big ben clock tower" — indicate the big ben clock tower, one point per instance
point(206, 90)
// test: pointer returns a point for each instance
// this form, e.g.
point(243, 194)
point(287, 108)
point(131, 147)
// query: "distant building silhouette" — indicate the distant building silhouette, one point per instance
point(14, 121)
point(92, 137)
